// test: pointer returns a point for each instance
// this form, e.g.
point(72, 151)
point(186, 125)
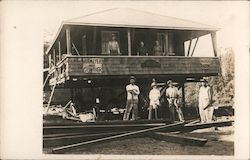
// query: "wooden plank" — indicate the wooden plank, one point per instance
point(177, 138)
point(194, 46)
point(189, 47)
point(195, 126)
point(76, 138)
point(50, 98)
point(116, 137)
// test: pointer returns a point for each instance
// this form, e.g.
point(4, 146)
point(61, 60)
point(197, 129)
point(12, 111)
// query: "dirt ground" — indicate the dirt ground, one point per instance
point(220, 142)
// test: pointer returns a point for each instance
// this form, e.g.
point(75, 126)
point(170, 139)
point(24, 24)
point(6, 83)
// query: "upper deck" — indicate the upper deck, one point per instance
point(80, 50)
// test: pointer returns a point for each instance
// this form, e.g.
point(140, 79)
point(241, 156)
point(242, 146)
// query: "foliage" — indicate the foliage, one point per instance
point(222, 85)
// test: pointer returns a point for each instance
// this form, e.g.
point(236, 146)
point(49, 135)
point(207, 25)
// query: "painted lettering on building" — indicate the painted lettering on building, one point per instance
point(92, 65)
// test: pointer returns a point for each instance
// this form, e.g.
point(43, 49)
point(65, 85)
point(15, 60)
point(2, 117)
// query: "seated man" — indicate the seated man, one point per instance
point(142, 50)
point(113, 46)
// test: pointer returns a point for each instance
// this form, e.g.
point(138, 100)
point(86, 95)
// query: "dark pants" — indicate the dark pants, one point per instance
point(113, 52)
point(132, 105)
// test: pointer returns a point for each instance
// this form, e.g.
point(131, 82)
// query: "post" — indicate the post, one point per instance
point(59, 50)
point(183, 94)
point(189, 47)
point(54, 56)
point(170, 43)
point(129, 42)
point(94, 41)
point(49, 60)
point(68, 41)
point(166, 42)
point(194, 46)
point(213, 36)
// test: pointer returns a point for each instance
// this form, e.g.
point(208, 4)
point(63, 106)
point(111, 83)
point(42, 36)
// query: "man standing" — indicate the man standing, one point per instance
point(205, 97)
point(157, 49)
point(132, 100)
point(172, 97)
point(154, 97)
point(113, 46)
point(142, 50)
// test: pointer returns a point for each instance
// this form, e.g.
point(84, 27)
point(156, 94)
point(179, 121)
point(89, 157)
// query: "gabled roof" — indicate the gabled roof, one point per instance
point(125, 17)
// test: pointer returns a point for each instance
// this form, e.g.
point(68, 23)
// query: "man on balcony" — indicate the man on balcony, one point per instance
point(157, 49)
point(132, 100)
point(142, 50)
point(113, 47)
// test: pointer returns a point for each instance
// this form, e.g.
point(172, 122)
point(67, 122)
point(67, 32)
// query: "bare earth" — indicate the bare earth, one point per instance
point(220, 142)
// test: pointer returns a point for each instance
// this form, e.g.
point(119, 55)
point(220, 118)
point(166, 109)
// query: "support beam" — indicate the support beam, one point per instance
point(129, 42)
point(59, 50)
point(183, 94)
point(94, 41)
point(68, 41)
point(189, 47)
point(194, 47)
point(169, 127)
point(54, 56)
point(177, 138)
point(170, 43)
point(213, 36)
point(166, 43)
point(195, 126)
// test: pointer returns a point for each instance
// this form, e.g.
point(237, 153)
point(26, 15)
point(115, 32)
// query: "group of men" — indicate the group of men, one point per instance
point(114, 49)
point(173, 99)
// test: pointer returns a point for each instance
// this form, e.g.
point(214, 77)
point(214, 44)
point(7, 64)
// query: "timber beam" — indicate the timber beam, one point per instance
point(169, 127)
point(177, 138)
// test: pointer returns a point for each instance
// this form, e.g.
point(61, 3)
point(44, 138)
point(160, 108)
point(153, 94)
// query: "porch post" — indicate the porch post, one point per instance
point(59, 50)
point(166, 42)
point(68, 41)
point(183, 94)
point(170, 43)
point(54, 56)
point(49, 60)
point(94, 41)
point(129, 42)
point(213, 36)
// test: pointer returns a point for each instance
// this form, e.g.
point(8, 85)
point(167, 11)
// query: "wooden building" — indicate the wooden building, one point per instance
point(79, 60)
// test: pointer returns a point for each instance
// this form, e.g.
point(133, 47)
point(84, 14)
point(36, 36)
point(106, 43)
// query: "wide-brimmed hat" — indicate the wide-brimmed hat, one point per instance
point(203, 80)
point(132, 77)
point(112, 35)
point(153, 84)
point(169, 82)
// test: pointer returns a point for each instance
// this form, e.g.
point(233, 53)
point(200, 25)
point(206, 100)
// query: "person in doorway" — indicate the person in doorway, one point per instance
point(132, 100)
point(157, 49)
point(154, 97)
point(113, 46)
point(205, 98)
point(142, 50)
point(172, 97)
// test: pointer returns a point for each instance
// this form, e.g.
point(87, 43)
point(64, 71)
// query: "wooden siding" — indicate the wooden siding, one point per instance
point(143, 66)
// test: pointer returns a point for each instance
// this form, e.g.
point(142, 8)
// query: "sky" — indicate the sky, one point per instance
point(224, 15)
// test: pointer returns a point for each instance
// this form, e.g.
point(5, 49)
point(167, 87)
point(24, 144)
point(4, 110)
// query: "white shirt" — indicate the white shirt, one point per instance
point(154, 96)
point(205, 93)
point(172, 92)
point(134, 88)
